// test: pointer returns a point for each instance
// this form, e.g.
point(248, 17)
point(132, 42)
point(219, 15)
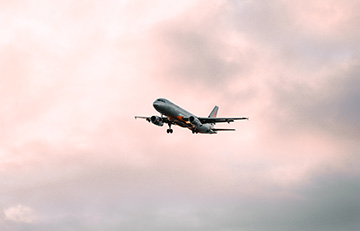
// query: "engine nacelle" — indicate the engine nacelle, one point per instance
point(157, 120)
point(199, 127)
point(195, 121)
point(205, 128)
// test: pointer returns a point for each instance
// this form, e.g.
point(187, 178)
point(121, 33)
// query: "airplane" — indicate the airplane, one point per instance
point(172, 114)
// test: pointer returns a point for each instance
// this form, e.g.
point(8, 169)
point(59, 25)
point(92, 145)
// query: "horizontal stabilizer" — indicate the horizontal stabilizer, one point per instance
point(223, 129)
point(214, 120)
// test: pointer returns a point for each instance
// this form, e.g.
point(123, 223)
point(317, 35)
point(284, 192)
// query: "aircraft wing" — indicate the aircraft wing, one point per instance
point(142, 117)
point(214, 120)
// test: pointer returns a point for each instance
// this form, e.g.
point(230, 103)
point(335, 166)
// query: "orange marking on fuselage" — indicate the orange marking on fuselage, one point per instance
point(181, 118)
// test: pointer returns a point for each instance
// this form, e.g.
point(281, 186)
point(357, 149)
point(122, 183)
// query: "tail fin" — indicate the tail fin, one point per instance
point(214, 112)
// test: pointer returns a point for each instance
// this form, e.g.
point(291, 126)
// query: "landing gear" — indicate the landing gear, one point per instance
point(169, 131)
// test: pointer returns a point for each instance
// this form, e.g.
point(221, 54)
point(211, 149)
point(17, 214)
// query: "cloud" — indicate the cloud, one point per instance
point(200, 48)
point(325, 105)
point(19, 213)
point(76, 74)
point(328, 201)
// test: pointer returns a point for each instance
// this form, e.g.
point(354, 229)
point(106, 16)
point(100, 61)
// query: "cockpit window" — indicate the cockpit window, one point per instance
point(161, 100)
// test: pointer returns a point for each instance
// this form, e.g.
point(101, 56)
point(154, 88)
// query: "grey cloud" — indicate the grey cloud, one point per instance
point(328, 201)
point(273, 26)
point(303, 55)
point(198, 48)
point(342, 109)
point(274, 23)
point(331, 107)
point(197, 57)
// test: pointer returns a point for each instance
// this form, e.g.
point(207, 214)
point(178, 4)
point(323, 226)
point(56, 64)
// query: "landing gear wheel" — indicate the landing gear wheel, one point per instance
point(169, 130)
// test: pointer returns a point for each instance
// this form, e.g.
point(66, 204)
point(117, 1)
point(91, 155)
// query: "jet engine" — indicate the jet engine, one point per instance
point(199, 127)
point(157, 120)
point(195, 121)
point(205, 128)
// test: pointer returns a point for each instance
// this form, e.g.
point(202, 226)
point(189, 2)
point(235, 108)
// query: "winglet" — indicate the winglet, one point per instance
point(214, 112)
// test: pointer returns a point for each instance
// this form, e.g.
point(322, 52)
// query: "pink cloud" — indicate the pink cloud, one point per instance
point(19, 213)
point(324, 18)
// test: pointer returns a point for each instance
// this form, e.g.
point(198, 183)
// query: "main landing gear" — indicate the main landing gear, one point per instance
point(169, 131)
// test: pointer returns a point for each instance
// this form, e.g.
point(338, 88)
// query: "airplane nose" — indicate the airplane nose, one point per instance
point(156, 104)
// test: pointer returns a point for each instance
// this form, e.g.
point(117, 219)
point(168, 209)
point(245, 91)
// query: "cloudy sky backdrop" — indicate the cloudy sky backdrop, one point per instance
point(74, 73)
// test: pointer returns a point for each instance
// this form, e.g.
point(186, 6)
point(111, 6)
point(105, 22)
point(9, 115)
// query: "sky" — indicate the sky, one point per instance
point(73, 74)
